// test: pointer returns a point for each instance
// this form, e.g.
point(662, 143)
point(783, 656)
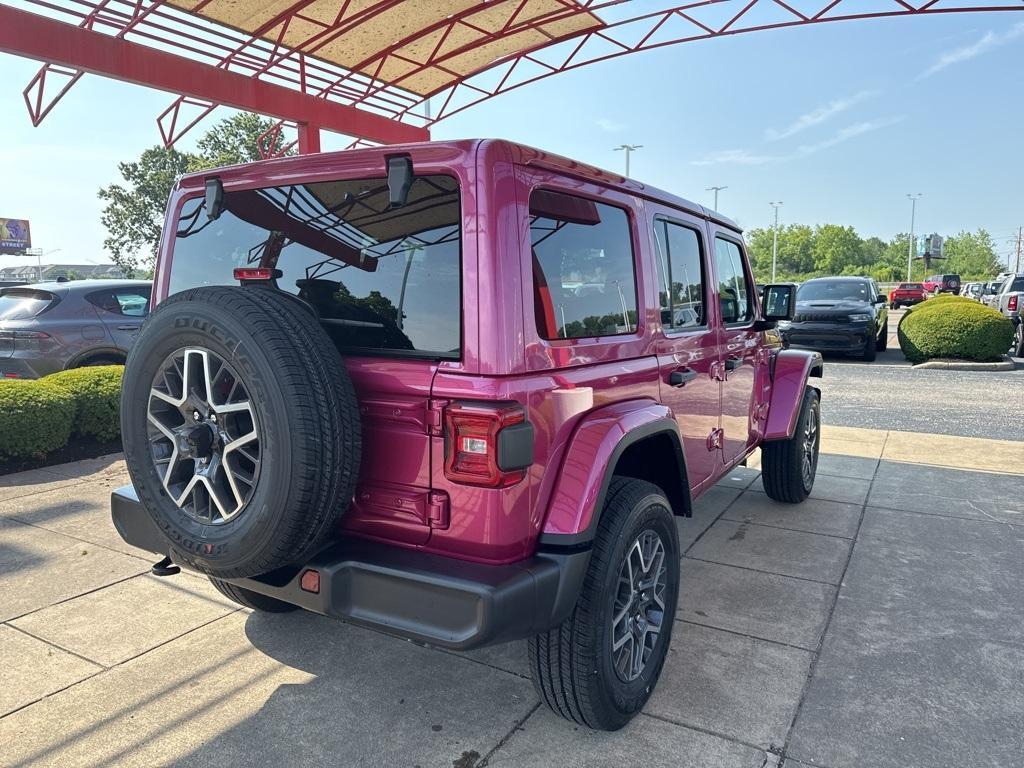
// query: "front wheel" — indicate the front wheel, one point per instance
point(599, 667)
point(870, 347)
point(882, 342)
point(788, 466)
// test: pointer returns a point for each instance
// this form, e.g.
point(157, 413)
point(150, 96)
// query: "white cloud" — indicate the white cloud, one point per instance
point(987, 42)
point(609, 126)
point(817, 116)
point(744, 157)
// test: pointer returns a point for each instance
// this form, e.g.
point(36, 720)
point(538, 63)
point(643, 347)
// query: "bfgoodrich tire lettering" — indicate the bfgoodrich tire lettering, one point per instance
point(308, 419)
point(574, 665)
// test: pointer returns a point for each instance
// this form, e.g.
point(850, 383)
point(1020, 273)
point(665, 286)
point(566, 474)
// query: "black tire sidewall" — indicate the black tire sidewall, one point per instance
point(653, 513)
point(226, 546)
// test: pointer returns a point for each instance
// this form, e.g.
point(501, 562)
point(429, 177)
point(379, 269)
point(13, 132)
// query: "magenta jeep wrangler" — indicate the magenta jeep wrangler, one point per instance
point(458, 392)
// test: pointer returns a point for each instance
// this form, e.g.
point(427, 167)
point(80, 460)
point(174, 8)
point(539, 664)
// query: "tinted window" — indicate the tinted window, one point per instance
point(834, 290)
point(680, 275)
point(733, 290)
point(20, 304)
point(584, 281)
point(380, 279)
point(128, 302)
point(1017, 284)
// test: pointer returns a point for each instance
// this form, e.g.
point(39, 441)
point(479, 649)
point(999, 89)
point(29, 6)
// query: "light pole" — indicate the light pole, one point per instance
point(716, 190)
point(627, 148)
point(775, 239)
point(910, 246)
point(39, 253)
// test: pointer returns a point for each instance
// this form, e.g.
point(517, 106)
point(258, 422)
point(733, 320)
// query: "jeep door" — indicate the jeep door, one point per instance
point(687, 345)
point(739, 345)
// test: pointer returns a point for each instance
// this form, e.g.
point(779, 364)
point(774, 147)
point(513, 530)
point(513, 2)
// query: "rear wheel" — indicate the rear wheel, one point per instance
point(599, 667)
point(1018, 340)
point(249, 599)
point(788, 467)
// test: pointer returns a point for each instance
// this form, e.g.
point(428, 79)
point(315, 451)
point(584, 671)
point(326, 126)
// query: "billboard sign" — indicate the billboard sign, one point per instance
point(931, 246)
point(15, 236)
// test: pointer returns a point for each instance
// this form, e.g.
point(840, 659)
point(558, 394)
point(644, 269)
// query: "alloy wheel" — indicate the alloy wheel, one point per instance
point(639, 609)
point(809, 447)
point(204, 435)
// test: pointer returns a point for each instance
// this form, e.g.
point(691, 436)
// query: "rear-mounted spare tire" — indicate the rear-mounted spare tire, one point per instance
point(240, 428)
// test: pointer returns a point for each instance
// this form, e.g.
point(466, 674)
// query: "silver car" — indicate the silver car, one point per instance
point(48, 327)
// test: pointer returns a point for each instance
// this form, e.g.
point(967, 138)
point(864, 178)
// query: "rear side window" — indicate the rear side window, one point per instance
point(680, 275)
point(733, 289)
point(23, 304)
point(583, 273)
point(129, 303)
point(382, 280)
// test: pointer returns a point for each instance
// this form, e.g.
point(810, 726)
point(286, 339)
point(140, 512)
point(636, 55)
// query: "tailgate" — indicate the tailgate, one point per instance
point(394, 499)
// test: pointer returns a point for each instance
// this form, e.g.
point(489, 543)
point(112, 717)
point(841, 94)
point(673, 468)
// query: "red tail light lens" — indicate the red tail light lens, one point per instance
point(254, 273)
point(476, 437)
point(1011, 303)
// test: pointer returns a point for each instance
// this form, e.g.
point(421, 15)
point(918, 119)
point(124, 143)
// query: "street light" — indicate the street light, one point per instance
point(716, 190)
point(627, 148)
point(775, 238)
point(910, 246)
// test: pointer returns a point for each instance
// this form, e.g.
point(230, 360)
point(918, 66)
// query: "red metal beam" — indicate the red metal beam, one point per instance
point(31, 35)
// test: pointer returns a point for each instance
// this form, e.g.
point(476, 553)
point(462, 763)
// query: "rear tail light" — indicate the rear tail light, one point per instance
point(490, 445)
point(1011, 304)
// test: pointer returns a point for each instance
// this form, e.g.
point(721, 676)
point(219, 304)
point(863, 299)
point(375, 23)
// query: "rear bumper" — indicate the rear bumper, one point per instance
point(24, 368)
point(424, 597)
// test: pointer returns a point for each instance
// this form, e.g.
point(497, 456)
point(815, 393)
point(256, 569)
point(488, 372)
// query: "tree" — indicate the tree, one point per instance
point(972, 255)
point(134, 210)
point(837, 250)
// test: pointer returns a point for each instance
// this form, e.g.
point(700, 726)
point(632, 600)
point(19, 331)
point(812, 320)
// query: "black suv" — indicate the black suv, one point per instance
point(839, 314)
point(945, 283)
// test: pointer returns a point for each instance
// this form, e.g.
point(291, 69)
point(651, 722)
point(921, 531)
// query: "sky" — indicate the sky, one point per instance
point(837, 121)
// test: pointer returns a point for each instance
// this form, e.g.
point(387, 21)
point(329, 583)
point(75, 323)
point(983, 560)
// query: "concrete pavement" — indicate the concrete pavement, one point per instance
point(878, 624)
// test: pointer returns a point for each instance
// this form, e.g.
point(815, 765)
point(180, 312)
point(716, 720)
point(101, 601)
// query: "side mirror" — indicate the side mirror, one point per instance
point(214, 198)
point(400, 179)
point(779, 302)
point(880, 299)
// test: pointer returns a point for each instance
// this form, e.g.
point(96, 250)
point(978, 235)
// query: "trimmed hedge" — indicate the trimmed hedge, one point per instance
point(954, 327)
point(35, 418)
point(39, 416)
point(97, 394)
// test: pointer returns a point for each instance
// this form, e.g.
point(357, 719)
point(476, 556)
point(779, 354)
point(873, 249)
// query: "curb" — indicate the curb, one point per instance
point(1006, 364)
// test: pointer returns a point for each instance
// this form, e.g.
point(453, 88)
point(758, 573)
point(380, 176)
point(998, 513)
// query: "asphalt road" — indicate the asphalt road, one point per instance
point(891, 394)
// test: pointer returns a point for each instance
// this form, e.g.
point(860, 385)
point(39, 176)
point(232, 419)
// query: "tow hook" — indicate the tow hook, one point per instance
point(165, 567)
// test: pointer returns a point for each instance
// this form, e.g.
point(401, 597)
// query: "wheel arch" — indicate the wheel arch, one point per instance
point(93, 353)
point(639, 441)
point(791, 369)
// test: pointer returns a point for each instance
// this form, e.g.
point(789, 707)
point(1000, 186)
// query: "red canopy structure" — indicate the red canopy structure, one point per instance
point(371, 69)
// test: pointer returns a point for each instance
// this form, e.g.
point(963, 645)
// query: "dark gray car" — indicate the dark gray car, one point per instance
point(48, 327)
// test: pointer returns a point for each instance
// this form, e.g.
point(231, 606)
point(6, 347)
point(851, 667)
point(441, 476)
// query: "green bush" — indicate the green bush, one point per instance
point(954, 327)
point(35, 418)
point(97, 395)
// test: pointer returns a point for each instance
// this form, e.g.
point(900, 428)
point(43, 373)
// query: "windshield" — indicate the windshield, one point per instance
point(833, 290)
point(380, 279)
point(22, 304)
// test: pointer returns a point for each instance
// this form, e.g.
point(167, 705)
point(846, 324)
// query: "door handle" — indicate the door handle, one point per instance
point(127, 327)
point(732, 363)
point(680, 376)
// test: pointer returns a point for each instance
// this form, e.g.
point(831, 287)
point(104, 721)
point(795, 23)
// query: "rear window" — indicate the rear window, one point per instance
point(383, 281)
point(23, 304)
point(583, 276)
point(911, 286)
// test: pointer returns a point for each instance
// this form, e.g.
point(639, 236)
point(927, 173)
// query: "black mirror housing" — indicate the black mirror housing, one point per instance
point(400, 179)
point(779, 302)
point(881, 299)
point(214, 198)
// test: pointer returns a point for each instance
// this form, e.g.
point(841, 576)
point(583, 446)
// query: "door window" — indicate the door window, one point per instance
point(680, 276)
point(128, 303)
point(733, 287)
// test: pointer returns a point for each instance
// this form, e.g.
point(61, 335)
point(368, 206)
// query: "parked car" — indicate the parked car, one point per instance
point(48, 327)
point(990, 291)
point(907, 295)
point(839, 314)
point(399, 413)
point(972, 290)
point(944, 284)
point(1010, 302)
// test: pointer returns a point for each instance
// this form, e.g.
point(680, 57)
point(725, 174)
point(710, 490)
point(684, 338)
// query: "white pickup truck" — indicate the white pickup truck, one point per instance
point(1010, 302)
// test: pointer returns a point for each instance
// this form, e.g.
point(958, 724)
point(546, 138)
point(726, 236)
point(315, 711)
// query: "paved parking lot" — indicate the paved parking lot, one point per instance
point(879, 624)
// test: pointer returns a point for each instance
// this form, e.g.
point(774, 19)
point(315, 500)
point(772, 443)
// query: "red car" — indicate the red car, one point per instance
point(907, 294)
